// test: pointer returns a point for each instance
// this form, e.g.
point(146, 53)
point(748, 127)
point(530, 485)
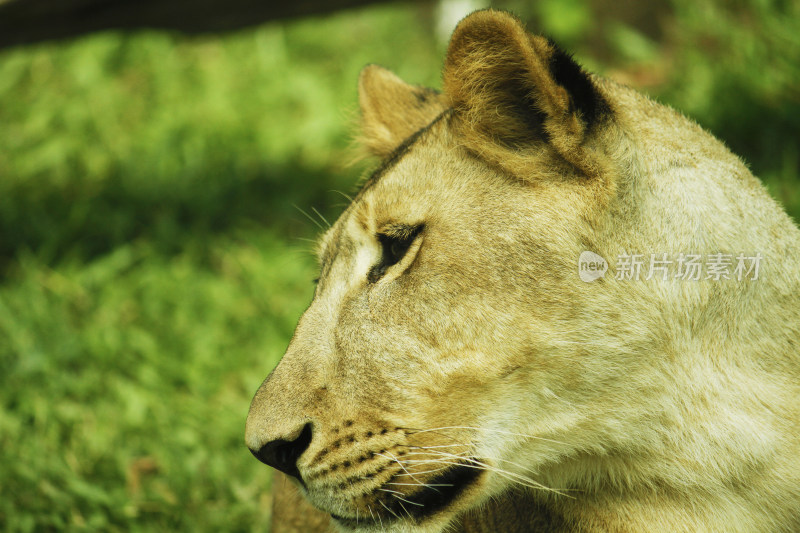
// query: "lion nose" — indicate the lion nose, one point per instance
point(283, 454)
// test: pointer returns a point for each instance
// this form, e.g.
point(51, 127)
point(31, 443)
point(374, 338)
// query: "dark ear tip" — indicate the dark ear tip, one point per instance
point(584, 95)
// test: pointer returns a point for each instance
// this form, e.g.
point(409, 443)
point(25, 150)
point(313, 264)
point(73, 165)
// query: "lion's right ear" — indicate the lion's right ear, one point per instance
point(392, 110)
point(517, 96)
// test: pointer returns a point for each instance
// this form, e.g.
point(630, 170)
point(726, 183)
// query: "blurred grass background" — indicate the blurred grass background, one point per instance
point(152, 260)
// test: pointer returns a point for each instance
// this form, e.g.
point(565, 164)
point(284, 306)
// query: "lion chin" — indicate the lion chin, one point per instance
point(554, 306)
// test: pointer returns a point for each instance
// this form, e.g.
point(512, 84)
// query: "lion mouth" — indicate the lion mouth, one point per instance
point(434, 495)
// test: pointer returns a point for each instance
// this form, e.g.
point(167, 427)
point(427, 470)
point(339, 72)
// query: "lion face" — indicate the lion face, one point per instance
point(394, 371)
point(405, 394)
point(451, 352)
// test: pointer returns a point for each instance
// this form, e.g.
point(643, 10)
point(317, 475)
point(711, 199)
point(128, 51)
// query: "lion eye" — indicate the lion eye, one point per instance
point(394, 249)
point(394, 246)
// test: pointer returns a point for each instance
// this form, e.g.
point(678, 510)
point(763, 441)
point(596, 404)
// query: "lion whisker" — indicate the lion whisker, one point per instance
point(423, 461)
point(488, 466)
point(437, 446)
point(435, 453)
point(325, 220)
point(384, 506)
point(431, 448)
point(403, 507)
point(511, 476)
point(393, 458)
point(419, 484)
point(346, 196)
point(312, 219)
point(423, 472)
point(380, 521)
point(408, 501)
point(523, 467)
point(500, 431)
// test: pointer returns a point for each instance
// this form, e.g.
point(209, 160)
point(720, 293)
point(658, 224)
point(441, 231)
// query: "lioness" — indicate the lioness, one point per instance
point(457, 371)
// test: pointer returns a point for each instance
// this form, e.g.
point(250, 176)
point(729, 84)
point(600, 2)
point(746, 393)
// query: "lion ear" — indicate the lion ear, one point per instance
point(392, 110)
point(517, 94)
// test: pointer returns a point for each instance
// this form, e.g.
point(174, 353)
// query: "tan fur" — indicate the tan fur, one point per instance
point(392, 110)
point(613, 405)
point(490, 59)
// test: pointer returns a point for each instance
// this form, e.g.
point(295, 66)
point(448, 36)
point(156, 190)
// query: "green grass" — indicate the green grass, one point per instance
point(152, 260)
point(126, 380)
point(116, 137)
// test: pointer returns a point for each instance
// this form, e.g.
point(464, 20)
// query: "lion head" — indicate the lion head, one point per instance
point(452, 353)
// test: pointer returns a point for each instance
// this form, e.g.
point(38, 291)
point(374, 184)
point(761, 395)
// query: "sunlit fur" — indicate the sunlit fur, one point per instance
point(647, 406)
